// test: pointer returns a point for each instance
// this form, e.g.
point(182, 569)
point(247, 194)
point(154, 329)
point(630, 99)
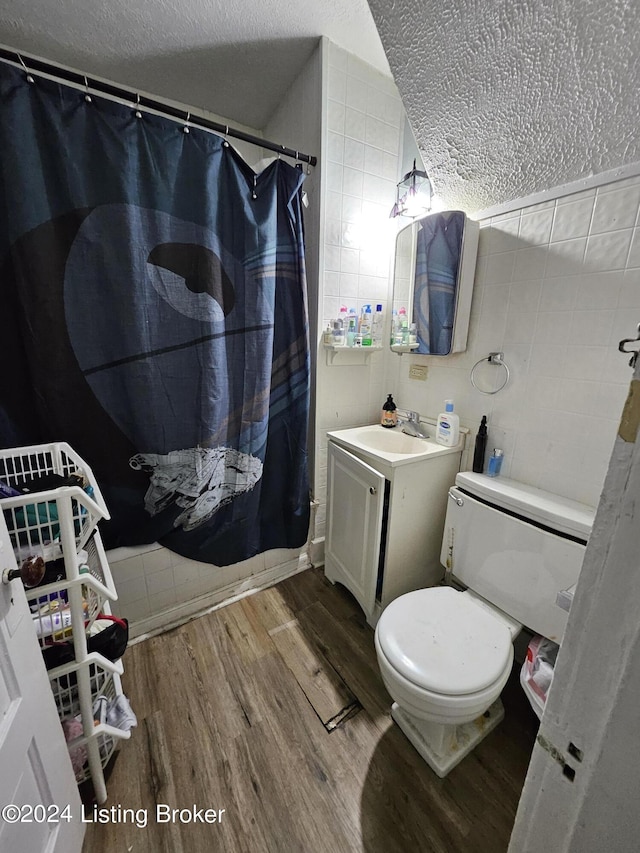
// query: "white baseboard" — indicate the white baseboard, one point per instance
point(179, 614)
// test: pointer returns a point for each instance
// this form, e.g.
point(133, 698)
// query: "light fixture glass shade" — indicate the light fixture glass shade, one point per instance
point(413, 194)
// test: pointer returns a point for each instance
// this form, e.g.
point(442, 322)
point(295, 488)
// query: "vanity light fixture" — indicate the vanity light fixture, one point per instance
point(413, 194)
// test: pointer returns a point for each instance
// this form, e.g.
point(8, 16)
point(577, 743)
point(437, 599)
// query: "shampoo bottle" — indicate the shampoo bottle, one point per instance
point(389, 415)
point(448, 426)
point(481, 446)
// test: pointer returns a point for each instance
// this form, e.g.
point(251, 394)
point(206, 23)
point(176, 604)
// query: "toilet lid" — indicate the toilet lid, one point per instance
point(441, 641)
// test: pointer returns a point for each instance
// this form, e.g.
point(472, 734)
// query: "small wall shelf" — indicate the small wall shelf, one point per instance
point(349, 355)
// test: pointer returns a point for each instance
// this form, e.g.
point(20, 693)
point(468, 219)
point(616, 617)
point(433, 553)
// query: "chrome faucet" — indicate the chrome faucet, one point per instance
point(412, 426)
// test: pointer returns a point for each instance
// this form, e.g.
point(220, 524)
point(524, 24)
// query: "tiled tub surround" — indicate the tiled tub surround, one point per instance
point(557, 286)
point(158, 588)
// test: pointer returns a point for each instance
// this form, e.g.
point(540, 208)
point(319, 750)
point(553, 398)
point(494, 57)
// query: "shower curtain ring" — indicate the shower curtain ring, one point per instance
point(87, 96)
point(29, 76)
point(185, 129)
point(138, 114)
point(225, 141)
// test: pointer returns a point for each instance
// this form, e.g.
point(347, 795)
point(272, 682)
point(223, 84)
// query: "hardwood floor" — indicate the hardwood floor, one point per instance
point(272, 709)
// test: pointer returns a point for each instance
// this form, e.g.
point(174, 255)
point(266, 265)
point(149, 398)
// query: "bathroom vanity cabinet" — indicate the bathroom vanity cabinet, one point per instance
point(386, 504)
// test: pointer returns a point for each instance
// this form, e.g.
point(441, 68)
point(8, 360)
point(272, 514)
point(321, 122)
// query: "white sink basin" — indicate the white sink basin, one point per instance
point(389, 445)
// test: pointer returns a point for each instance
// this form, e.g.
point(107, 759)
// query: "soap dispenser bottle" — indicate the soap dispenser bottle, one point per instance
point(389, 416)
point(448, 426)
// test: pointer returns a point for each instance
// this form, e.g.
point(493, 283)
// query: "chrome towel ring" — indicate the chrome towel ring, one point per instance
point(493, 358)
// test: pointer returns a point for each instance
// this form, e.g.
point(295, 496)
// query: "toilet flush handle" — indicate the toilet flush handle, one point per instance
point(456, 498)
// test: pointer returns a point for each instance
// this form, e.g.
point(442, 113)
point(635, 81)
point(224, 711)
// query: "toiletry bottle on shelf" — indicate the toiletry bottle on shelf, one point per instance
point(352, 327)
point(394, 326)
point(448, 426)
point(413, 334)
point(481, 446)
point(495, 462)
point(342, 318)
point(402, 333)
point(365, 325)
point(389, 416)
point(376, 329)
point(352, 331)
point(338, 334)
point(327, 337)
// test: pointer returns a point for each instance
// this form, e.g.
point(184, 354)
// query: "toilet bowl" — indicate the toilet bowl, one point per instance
point(444, 657)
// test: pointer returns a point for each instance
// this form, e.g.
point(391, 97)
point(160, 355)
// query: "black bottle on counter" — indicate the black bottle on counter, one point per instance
point(481, 446)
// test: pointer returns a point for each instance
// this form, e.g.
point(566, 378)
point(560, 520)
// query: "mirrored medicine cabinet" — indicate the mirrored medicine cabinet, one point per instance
point(434, 269)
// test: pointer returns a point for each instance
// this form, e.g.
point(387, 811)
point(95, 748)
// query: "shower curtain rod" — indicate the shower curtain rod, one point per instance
point(66, 75)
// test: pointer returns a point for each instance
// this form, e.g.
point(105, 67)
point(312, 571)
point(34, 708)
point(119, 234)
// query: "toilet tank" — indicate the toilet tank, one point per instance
point(516, 546)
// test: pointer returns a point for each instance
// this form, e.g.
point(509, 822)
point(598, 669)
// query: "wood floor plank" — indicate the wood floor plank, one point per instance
point(299, 591)
point(245, 630)
point(326, 691)
point(271, 608)
point(349, 648)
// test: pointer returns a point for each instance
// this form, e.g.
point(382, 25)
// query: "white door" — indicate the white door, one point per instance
point(582, 789)
point(355, 503)
point(40, 808)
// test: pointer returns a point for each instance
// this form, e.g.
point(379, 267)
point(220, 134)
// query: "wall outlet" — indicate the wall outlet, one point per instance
point(418, 371)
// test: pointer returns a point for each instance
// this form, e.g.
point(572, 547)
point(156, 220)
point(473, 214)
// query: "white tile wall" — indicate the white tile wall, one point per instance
point(155, 580)
point(557, 286)
point(363, 137)
point(364, 119)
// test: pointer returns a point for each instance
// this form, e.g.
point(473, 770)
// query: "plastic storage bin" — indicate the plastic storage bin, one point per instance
point(536, 673)
point(49, 603)
point(63, 515)
point(104, 681)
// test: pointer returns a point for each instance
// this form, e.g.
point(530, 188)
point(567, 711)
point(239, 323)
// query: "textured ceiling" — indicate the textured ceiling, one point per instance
point(511, 97)
point(236, 59)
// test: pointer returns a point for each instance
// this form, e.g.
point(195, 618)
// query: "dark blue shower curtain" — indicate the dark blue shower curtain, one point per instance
point(152, 294)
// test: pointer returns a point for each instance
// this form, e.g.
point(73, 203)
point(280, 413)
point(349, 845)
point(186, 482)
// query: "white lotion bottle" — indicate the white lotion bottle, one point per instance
point(448, 426)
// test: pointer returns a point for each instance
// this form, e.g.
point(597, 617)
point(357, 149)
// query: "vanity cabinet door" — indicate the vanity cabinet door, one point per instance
point(355, 503)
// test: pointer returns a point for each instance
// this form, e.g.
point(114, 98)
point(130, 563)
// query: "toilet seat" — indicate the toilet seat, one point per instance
point(438, 707)
point(443, 643)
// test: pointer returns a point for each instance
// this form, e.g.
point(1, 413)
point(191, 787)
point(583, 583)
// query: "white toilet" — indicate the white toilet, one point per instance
point(445, 654)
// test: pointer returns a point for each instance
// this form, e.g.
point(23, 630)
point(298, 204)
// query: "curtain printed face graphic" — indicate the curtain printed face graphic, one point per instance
point(179, 292)
point(153, 293)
